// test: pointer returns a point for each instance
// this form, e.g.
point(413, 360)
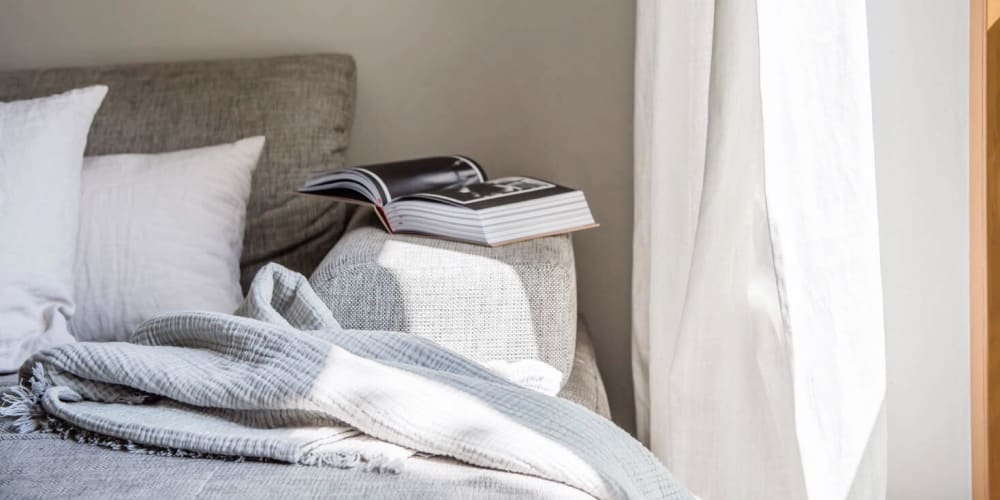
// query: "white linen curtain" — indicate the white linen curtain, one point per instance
point(758, 344)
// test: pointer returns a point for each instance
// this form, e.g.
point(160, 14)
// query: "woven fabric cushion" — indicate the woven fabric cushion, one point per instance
point(303, 105)
point(509, 303)
point(585, 385)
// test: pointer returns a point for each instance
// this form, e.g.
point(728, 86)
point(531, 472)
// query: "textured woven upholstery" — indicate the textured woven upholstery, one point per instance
point(303, 105)
point(585, 385)
point(509, 303)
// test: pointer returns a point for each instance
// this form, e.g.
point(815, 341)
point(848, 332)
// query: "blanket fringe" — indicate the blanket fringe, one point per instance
point(349, 460)
point(70, 432)
point(22, 404)
point(339, 460)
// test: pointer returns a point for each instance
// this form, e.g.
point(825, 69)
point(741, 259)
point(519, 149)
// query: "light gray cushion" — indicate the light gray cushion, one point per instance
point(585, 385)
point(303, 105)
point(508, 303)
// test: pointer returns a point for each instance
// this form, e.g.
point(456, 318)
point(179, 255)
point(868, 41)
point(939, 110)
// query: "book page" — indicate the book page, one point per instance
point(493, 193)
point(408, 177)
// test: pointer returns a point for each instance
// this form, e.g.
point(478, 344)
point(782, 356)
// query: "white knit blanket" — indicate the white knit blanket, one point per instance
point(281, 380)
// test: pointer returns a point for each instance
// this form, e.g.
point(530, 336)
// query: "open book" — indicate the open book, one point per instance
point(450, 197)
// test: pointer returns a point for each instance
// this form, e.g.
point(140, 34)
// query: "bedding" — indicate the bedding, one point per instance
point(160, 232)
point(88, 471)
point(41, 152)
point(285, 382)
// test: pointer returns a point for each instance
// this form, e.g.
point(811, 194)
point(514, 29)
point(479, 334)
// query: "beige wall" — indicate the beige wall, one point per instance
point(525, 86)
point(920, 83)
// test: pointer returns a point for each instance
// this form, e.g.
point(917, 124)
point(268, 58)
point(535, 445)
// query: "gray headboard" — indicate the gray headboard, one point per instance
point(303, 105)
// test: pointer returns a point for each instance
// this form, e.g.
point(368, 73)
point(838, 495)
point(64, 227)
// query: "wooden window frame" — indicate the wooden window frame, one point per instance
point(984, 256)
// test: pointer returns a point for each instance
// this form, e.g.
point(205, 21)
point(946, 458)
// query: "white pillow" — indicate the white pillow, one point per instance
point(158, 233)
point(41, 151)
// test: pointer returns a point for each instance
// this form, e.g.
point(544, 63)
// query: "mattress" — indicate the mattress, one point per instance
point(42, 465)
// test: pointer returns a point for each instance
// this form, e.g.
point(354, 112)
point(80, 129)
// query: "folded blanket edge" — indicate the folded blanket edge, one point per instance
point(22, 406)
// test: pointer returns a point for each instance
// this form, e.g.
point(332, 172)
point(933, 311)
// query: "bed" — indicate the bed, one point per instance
point(304, 105)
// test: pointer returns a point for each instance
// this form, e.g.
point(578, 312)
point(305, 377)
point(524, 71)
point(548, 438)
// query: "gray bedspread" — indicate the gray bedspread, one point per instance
point(39, 466)
point(283, 381)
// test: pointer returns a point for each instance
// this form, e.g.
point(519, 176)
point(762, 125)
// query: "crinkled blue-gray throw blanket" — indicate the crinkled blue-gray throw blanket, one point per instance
point(281, 380)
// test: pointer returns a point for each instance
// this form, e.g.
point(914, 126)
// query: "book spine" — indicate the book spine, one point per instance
point(383, 218)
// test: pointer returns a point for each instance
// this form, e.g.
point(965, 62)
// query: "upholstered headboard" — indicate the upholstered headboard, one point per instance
point(303, 105)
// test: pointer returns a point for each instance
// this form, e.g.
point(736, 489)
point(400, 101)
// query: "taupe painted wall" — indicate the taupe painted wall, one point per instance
point(525, 86)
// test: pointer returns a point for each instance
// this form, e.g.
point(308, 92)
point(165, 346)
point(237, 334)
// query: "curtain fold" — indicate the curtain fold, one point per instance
point(758, 345)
